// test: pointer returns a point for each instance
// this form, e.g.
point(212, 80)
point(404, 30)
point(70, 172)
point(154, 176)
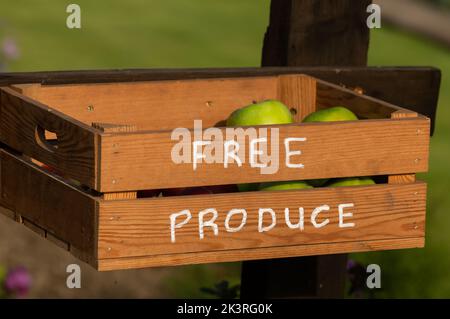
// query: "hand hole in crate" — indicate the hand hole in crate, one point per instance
point(46, 139)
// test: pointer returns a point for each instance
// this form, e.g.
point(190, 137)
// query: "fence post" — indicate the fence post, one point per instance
point(308, 33)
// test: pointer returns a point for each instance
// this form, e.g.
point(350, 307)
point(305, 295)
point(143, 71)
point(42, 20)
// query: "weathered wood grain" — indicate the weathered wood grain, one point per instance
point(257, 253)
point(142, 227)
point(35, 228)
point(23, 123)
point(114, 128)
point(310, 32)
point(306, 33)
point(402, 178)
point(386, 216)
point(156, 105)
point(421, 83)
point(168, 104)
point(48, 203)
point(143, 160)
point(366, 107)
point(119, 195)
point(293, 89)
point(299, 93)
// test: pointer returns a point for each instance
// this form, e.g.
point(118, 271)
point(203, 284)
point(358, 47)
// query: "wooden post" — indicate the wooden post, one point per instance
point(308, 33)
point(112, 128)
point(403, 178)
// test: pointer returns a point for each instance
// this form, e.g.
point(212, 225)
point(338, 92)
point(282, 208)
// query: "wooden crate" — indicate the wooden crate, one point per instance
point(114, 139)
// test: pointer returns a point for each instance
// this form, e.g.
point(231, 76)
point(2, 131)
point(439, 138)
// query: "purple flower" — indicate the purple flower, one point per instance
point(356, 273)
point(350, 264)
point(17, 282)
point(10, 49)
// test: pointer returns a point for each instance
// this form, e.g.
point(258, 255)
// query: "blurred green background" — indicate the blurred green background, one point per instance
point(199, 33)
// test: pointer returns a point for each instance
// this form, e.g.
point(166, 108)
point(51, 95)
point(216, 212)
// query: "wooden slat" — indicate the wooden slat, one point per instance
point(120, 195)
point(20, 121)
point(299, 93)
point(50, 204)
point(366, 107)
point(142, 227)
point(421, 83)
point(156, 105)
point(142, 160)
point(402, 178)
point(35, 228)
point(116, 128)
point(387, 219)
point(355, 74)
point(306, 32)
point(170, 104)
point(403, 114)
point(257, 253)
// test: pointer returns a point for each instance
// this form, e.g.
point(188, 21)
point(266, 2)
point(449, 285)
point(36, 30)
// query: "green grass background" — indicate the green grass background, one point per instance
point(200, 33)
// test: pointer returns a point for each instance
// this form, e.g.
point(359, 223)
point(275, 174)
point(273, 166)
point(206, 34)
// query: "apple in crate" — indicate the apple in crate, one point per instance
point(250, 187)
point(264, 113)
point(267, 112)
point(317, 182)
point(332, 114)
point(351, 181)
point(281, 186)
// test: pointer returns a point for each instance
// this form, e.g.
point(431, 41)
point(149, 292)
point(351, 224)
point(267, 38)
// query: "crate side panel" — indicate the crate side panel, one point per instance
point(142, 227)
point(365, 107)
point(357, 148)
point(157, 105)
point(21, 121)
point(45, 201)
point(257, 253)
point(299, 93)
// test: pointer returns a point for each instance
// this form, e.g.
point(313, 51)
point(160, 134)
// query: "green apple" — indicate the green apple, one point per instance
point(351, 181)
point(264, 113)
point(317, 182)
point(249, 187)
point(336, 113)
point(280, 186)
